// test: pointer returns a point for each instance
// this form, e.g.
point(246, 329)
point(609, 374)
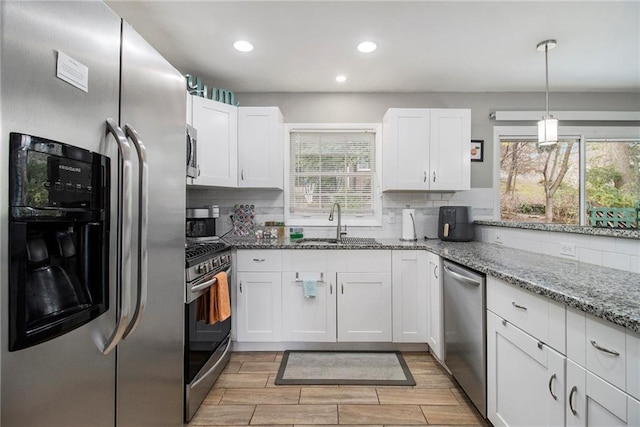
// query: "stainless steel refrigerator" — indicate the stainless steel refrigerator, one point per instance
point(65, 68)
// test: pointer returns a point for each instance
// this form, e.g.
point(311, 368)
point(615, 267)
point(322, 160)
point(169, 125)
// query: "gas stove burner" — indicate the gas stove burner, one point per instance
point(197, 251)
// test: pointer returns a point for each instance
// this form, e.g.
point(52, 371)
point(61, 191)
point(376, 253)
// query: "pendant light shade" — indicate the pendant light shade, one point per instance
point(548, 126)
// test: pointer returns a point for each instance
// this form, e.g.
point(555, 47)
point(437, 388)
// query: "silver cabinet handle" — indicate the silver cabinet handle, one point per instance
point(240, 287)
point(574, 389)
point(434, 176)
point(342, 286)
point(435, 271)
point(553, 377)
point(331, 289)
point(259, 259)
point(242, 174)
point(125, 212)
point(521, 307)
point(604, 350)
point(504, 322)
point(143, 227)
point(460, 277)
point(425, 176)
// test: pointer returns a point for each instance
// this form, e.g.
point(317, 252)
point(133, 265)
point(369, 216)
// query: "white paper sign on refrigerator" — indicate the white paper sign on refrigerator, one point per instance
point(72, 71)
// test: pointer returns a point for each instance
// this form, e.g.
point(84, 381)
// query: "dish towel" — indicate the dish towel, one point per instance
point(219, 304)
point(310, 288)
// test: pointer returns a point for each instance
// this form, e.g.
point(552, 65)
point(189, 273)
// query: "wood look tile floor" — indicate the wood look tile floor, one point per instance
point(245, 394)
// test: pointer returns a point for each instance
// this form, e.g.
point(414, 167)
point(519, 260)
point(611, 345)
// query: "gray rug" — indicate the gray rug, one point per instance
point(344, 367)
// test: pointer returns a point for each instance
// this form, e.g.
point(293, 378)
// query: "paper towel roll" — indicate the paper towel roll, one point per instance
point(408, 227)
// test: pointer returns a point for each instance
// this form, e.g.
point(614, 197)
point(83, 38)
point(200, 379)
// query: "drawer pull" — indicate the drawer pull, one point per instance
point(504, 322)
point(573, 390)
point(259, 259)
point(553, 377)
point(605, 350)
point(521, 307)
point(540, 345)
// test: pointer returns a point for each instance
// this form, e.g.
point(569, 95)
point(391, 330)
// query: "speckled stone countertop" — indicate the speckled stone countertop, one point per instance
point(607, 293)
point(564, 228)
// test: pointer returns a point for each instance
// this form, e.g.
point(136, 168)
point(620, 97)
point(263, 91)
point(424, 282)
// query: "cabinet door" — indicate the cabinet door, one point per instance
point(435, 321)
point(259, 306)
point(591, 401)
point(260, 147)
point(217, 127)
point(308, 319)
point(449, 157)
point(364, 307)
point(405, 149)
point(525, 378)
point(410, 310)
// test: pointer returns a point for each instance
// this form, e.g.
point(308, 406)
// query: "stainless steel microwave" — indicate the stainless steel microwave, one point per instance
point(192, 153)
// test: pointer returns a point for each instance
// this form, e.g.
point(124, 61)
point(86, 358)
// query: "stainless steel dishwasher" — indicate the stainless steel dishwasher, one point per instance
point(465, 331)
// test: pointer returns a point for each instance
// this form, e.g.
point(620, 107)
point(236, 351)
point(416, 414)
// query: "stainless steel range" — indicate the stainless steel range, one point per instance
point(206, 345)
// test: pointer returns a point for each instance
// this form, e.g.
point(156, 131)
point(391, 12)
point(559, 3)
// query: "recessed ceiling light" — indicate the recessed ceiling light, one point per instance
point(341, 79)
point(367, 47)
point(243, 46)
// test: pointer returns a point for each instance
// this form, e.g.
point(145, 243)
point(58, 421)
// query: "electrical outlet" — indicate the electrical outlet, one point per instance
point(499, 239)
point(391, 217)
point(568, 249)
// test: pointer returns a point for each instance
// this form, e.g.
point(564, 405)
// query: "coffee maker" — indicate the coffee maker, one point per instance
point(201, 223)
point(58, 232)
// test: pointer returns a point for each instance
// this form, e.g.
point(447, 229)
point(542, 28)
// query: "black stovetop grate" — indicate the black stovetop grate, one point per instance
point(197, 251)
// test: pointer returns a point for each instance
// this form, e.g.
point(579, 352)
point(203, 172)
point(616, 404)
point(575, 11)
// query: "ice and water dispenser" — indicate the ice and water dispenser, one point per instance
point(59, 238)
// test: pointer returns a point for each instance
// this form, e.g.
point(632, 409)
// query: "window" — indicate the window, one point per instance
point(582, 179)
point(333, 163)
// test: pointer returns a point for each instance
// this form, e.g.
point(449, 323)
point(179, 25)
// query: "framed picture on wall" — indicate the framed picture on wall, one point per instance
point(477, 150)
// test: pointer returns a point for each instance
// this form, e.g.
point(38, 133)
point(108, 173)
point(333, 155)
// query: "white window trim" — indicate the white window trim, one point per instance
point(350, 220)
point(585, 132)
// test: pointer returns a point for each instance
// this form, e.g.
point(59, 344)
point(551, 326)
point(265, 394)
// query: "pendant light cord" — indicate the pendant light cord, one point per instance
point(546, 70)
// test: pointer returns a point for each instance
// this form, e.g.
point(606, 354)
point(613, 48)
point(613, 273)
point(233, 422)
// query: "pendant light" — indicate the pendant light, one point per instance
point(548, 126)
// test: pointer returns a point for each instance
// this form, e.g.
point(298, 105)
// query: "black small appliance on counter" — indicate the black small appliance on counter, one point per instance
point(455, 224)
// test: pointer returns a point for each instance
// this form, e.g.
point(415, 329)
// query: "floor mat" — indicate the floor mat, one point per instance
point(381, 368)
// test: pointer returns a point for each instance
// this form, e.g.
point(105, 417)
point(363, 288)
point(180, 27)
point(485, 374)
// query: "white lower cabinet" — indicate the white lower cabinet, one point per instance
point(364, 306)
point(410, 310)
point(435, 312)
point(525, 378)
point(258, 306)
point(308, 319)
point(592, 401)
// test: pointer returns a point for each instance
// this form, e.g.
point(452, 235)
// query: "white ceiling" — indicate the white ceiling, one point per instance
point(424, 46)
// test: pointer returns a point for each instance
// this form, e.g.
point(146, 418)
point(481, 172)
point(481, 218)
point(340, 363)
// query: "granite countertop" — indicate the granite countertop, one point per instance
point(604, 292)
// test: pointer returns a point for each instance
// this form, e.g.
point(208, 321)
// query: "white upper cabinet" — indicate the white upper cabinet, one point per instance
point(426, 149)
point(450, 154)
point(260, 147)
point(217, 127)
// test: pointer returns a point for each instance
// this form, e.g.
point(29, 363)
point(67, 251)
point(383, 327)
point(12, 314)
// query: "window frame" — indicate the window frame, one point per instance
point(374, 220)
point(582, 133)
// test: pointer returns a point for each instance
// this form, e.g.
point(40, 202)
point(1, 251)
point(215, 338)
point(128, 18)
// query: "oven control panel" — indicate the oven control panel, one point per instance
point(215, 264)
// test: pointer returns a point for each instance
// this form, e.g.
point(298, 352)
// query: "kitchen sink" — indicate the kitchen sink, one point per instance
point(329, 241)
point(316, 241)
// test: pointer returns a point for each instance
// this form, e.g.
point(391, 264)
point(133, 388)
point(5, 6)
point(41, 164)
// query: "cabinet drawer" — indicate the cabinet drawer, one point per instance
point(601, 347)
point(304, 260)
point(540, 317)
point(259, 260)
point(605, 351)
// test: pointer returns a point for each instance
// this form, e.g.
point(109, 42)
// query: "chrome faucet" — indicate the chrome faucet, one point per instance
point(339, 232)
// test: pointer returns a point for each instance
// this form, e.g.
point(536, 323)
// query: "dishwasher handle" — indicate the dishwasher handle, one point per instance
point(462, 278)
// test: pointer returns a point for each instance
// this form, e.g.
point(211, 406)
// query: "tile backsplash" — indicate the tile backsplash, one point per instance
point(269, 206)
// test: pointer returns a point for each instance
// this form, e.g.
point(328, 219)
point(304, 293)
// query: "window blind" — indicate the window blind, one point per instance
point(332, 166)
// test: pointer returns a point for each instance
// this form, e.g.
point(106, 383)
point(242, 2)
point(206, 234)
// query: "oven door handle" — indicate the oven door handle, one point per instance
point(206, 374)
point(208, 283)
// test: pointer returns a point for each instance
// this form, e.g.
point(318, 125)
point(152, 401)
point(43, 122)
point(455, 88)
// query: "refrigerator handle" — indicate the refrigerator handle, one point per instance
point(143, 221)
point(124, 214)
